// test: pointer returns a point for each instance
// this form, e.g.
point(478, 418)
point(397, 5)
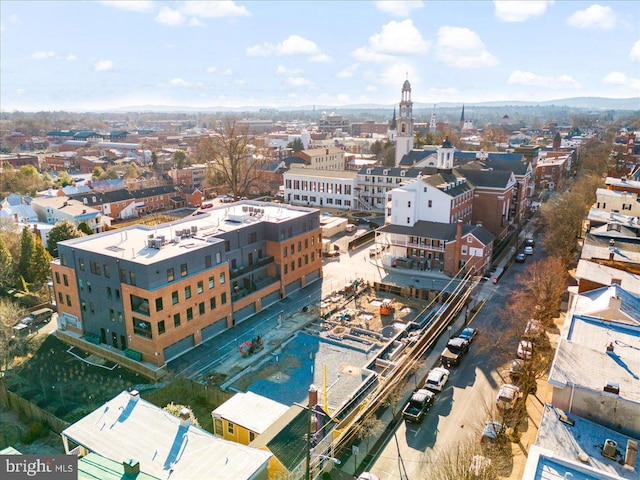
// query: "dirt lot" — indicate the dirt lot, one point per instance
point(13, 430)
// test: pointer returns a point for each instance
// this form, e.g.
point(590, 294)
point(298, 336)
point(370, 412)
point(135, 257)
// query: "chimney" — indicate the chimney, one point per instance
point(131, 467)
point(611, 255)
point(185, 414)
point(616, 281)
point(631, 455)
point(134, 395)
point(313, 395)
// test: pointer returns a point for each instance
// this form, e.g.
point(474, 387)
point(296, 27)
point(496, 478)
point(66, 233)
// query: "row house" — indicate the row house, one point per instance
point(158, 198)
point(551, 170)
point(320, 188)
point(191, 176)
point(324, 158)
point(616, 201)
point(61, 162)
point(373, 183)
point(160, 291)
point(623, 184)
point(19, 160)
point(117, 204)
point(53, 210)
point(492, 199)
point(445, 247)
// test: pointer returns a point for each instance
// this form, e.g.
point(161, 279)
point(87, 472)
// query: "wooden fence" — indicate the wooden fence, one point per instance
point(30, 410)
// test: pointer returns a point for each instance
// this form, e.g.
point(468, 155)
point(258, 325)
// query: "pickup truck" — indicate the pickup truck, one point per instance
point(453, 352)
point(419, 404)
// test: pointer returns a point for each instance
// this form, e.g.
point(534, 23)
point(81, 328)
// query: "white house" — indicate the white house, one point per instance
point(320, 188)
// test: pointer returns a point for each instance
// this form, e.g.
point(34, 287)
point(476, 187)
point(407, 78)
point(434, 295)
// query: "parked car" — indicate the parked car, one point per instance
point(436, 379)
point(368, 476)
point(530, 242)
point(226, 199)
point(507, 396)
point(521, 258)
point(525, 349)
point(37, 317)
point(468, 333)
point(528, 250)
point(451, 355)
point(206, 205)
point(418, 405)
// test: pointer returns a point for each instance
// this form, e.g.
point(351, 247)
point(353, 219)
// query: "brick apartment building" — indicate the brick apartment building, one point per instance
point(162, 290)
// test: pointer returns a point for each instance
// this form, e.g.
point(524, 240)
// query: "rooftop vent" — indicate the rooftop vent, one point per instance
point(185, 415)
point(134, 395)
point(612, 388)
point(131, 467)
point(631, 454)
point(609, 449)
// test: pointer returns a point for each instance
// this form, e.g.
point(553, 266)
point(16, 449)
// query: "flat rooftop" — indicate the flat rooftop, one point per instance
point(131, 243)
point(576, 449)
point(242, 407)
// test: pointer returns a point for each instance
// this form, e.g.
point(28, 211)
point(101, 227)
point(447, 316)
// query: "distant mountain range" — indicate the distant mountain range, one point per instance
point(586, 103)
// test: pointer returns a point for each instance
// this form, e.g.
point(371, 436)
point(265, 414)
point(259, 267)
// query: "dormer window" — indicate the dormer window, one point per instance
point(368, 171)
point(84, 200)
point(385, 172)
point(402, 173)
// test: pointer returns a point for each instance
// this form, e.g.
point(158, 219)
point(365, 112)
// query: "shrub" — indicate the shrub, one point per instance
point(36, 430)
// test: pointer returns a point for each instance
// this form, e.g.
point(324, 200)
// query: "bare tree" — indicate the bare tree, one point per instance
point(234, 158)
point(463, 461)
point(544, 283)
point(10, 344)
point(371, 427)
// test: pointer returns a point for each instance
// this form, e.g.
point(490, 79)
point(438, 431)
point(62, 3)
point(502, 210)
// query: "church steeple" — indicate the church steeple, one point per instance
point(394, 125)
point(462, 118)
point(404, 139)
point(445, 154)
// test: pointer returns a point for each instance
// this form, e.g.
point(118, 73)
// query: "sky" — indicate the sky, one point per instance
point(102, 55)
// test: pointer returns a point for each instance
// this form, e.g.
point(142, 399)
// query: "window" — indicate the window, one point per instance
point(211, 284)
point(132, 278)
point(201, 308)
point(65, 279)
point(183, 270)
point(81, 264)
point(227, 245)
point(300, 262)
point(117, 294)
point(293, 266)
point(139, 304)
point(253, 237)
point(123, 275)
point(81, 284)
point(83, 305)
point(409, 204)
point(68, 300)
point(174, 298)
point(112, 314)
point(109, 292)
point(230, 428)
point(430, 203)
point(293, 249)
point(252, 436)
point(223, 298)
point(60, 297)
point(222, 280)
point(142, 328)
point(463, 250)
point(91, 309)
point(57, 277)
point(176, 320)
point(187, 292)
point(88, 286)
point(189, 314)
point(218, 258)
point(285, 252)
point(107, 271)
point(408, 220)
point(207, 261)
point(170, 275)
point(159, 306)
point(200, 286)
point(95, 267)
point(212, 303)
point(161, 328)
point(299, 246)
point(286, 268)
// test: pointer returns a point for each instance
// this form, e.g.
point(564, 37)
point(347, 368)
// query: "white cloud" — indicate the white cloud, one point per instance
point(227, 72)
point(103, 66)
point(292, 45)
point(42, 55)
point(399, 8)
point(180, 83)
point(530, 79)
point(212, 69)
point(443, 92)
point(20, 91)
point(282, 70)
point(298, 82)
point(195, 22)
point(395, 72)
point(131, 5)
point(214, 9)
point(395, 39)
point(462, 47)
point(519, 10)
point(343, 98)
point(370, 88)
point(321, 58)
point(596, 16)
point(71, 58)
point(619, 78)
point(170, 17)
point(348, 72)
point(634, 54)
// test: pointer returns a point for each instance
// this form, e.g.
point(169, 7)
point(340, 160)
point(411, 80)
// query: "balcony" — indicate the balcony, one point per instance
point(258, 263)
point(252, 281)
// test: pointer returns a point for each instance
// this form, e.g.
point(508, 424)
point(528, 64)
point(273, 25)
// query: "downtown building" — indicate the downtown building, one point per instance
point(155, 292)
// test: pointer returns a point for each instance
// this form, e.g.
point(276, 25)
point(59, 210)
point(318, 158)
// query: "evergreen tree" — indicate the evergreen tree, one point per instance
point(6, 273)
point(39, 266)
point(64, 230)
point(27, 247)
